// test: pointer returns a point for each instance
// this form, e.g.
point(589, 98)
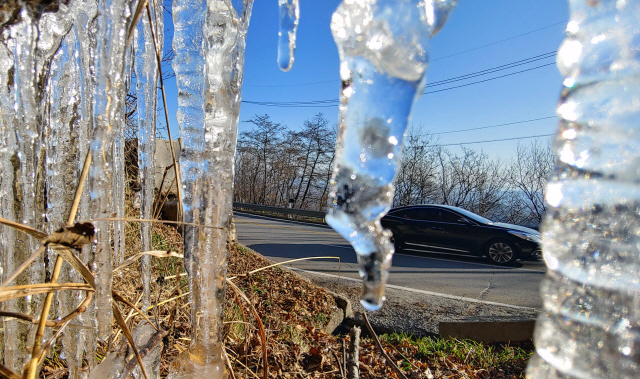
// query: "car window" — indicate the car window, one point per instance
point(446, 216)
point(411, 214)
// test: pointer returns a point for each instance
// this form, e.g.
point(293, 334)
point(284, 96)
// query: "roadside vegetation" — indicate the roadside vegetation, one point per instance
point(277, 316)
point(278, 166)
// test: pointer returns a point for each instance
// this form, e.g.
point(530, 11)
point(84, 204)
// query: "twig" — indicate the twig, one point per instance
point(353, 358)
point(123, 326)
point(263, 336)
point(23, 266)
point(155, 221)
point(335, 356)
point(375, 337)
point(247, 368)
point(280, 264)
point(47, 345)
point(166, 113)
point(117, 296)
point(233, 375)
point(6, 373)
point(80, 309)
point(32, 289)
point(131, 363)
point(344, 358)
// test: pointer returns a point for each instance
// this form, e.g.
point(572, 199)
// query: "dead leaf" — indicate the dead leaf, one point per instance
point(72, 236)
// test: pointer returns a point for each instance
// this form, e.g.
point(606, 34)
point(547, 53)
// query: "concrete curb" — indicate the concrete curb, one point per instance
point(342, 313)
point(488, 331)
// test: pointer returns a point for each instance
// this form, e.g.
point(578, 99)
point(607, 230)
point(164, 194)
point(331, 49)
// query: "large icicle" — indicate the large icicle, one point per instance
point(113, 18)
point(25, 161)
point(289, 17)
point(208, 201)
point(146, 69)
point(383, 51)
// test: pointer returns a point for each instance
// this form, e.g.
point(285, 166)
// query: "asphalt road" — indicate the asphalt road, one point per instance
point(456, 277)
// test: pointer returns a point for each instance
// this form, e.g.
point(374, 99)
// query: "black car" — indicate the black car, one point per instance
point(451, 230)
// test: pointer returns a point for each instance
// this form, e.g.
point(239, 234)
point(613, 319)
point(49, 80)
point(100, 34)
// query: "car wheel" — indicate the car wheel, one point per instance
point(396, 241)
point(501, 252)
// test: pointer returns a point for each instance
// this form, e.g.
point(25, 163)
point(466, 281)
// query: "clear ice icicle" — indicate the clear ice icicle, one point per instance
point(590, 325)
point(209, 152)
point(383, 52)
point(289, 17)
point(113, 18)
point(147, 83)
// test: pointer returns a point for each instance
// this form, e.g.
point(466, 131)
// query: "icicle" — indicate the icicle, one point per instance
point(8, 148)
point(208, 201)
point(289, 16)
point(146, 69)
point(109, 61)
point(383, 54)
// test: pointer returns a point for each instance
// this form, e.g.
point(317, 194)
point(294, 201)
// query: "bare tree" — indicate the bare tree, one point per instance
point(416, 182)
point(528, 175)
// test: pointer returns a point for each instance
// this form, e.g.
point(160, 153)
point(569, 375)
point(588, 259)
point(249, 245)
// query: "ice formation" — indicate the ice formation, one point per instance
point(146, 69)
point(289, 17)
point(383, 48)
point(208, 116)
point(590, 327)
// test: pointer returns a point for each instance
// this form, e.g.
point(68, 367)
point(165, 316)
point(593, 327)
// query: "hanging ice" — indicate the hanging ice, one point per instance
point(146, 69)
point(209, 84)
point(113, 19)
point(590, 326)
point(383, 48)
point(289, 16)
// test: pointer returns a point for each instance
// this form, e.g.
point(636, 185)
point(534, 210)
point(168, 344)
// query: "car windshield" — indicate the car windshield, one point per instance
point(474, 216)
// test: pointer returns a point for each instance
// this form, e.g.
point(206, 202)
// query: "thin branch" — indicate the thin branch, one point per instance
point(379, 344)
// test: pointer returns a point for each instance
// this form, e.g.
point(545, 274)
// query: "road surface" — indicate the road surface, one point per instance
point(456, 277)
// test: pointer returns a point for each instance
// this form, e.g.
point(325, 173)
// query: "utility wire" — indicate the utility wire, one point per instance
point(488, 80)
point(507, 66)
point(496, 140)
point(492, 126)
point(497, 42)
point(432, 60)
point(334, 102)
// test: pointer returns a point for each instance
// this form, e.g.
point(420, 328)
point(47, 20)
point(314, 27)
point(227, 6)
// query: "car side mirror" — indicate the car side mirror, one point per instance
point(463, 220)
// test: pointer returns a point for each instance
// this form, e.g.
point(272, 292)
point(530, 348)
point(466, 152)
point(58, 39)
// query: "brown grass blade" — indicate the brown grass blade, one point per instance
point(6, 373)
point(23, 266)
point(53, 339)
point(22, 316)
point(263, 335)
point(153, 253)
point(125, 329)
point(78, 195)
point(166, 112)
point(34, 289)
point(75, 262)
point(280, 264)
point(122, 299)
point(23, 228)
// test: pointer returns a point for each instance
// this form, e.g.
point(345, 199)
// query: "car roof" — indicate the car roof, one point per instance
point(427, 206)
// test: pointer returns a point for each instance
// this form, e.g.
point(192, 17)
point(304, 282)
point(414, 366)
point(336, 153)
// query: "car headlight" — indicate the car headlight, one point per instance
point(526, 236)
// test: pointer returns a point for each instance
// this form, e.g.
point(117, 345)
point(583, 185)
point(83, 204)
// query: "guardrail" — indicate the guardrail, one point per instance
point(279, 211)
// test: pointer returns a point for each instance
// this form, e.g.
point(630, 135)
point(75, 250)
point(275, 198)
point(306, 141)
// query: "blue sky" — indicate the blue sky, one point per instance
point(479, 35)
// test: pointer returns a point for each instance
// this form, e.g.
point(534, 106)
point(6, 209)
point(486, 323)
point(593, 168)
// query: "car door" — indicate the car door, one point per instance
point(423, 231)
point(458, 233)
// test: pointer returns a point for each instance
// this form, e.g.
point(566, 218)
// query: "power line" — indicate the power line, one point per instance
point(334, 102)
point(497, 42)
point(432, 60)
point(496, 140)
point(536, 58)
point(494, 126)
point(488, 80)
